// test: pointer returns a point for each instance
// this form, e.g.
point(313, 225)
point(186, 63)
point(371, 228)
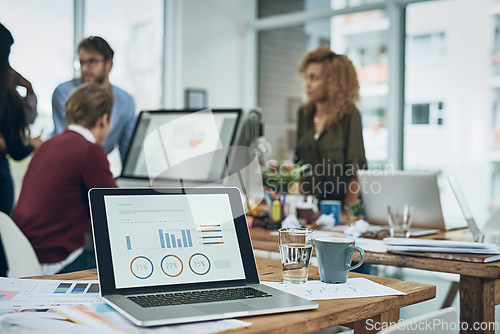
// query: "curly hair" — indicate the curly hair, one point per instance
point(342, 81)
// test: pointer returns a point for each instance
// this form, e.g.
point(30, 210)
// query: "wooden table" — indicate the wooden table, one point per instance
point(365, 315)
point(479, 285)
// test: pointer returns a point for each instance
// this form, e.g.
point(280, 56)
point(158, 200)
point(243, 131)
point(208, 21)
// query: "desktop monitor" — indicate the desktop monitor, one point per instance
point(191, 143)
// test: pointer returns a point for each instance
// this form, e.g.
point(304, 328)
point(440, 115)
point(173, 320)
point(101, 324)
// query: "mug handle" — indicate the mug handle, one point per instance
point(362, 257)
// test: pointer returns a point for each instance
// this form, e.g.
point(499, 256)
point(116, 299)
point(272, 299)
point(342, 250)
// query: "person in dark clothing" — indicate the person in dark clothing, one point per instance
point(15, 113)
point(329, 132)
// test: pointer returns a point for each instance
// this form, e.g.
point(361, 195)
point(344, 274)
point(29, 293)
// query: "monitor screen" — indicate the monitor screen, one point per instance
point(193, 143)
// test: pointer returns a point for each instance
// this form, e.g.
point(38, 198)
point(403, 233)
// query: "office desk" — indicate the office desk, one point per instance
point(352, 312)
point(479, 285)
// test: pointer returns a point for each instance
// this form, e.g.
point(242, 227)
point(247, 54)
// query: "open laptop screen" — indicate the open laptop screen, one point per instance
point(418, 189)
point(172, 239)
point(185, 135)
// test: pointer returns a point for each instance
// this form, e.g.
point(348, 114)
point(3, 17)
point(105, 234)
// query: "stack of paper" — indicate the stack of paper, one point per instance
point(440, 246)
point(354, 288)
point(55, 306)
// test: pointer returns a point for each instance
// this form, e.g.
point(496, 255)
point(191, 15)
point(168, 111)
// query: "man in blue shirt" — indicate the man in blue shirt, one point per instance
point(96, 60)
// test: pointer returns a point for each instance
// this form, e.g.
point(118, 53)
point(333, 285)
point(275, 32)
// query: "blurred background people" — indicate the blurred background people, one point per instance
point(329, 133)
point(96, 62)
point(53, 210)
point(16, 112)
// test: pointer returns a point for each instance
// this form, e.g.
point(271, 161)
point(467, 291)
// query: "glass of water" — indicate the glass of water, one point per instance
point(296, 245)
point(400, 218)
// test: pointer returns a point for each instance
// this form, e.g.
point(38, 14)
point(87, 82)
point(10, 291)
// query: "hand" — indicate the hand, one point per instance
point(3, 145)
point(36, 142)
point(344, 215)
point(17, 79)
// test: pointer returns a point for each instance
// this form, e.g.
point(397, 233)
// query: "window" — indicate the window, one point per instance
point(496, 38)
point(426, 114)
point(280, 89)
point(136, 38)
point(45, 58)
point(449, 95)
point(364, 38)
point(427, 47)
point(279, 7)
point(353, 3)
point(420, 114)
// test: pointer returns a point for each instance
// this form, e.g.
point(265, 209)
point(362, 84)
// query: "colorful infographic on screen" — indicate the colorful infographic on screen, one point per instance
point(172, 239)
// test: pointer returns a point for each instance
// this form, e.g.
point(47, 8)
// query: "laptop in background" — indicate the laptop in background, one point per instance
point(380, 189)
point(177, 255)
point(488, 236)
point(217, 128)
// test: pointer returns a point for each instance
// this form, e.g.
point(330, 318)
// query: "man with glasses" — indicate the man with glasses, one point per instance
point(96, 60)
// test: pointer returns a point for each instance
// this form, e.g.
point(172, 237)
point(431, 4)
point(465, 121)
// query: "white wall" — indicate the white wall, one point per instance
point(212, 50)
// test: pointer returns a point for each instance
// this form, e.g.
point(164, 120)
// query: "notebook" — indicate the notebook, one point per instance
point(491, 235)
point(382, 188)
point(177, 255)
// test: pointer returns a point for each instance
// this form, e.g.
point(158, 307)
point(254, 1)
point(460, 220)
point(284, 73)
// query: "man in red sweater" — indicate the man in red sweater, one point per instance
point(53, 210)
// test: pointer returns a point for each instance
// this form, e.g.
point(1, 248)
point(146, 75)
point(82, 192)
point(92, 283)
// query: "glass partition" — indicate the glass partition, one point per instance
point(134, 29)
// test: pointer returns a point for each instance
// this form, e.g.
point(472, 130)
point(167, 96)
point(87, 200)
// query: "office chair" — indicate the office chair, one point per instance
point(21, 257)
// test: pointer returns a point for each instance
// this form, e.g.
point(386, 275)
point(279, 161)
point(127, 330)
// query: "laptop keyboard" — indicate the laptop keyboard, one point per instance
point(195, 297)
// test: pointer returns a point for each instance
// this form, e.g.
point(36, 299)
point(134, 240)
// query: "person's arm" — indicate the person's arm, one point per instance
point(58, 113)
point(3, 145)
point(299, 135)
point(356, 158)
point(18, 150)
point(352, 194)
point(95, 169)
point(18, 80)
point(298, 157)
point(36, 142)
point(30, 100)
point(128, 129)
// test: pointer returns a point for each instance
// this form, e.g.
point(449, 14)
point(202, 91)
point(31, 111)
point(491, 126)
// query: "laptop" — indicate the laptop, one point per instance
point(380, 189)
point(179, 147)
point(491, 235)
point(178, 255)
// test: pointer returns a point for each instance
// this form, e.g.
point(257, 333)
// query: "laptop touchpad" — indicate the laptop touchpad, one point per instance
point(224, 307)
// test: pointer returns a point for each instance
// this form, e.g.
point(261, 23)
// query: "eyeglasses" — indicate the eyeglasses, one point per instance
point(91, 62)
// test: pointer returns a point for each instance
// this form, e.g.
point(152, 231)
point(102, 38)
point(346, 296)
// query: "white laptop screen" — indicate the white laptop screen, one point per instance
point(172, 239)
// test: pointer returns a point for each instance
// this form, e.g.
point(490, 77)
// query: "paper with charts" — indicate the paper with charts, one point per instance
point(31, 293)
point(353, 288)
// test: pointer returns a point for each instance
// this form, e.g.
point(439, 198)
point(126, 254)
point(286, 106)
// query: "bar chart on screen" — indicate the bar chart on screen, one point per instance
point(161, 240)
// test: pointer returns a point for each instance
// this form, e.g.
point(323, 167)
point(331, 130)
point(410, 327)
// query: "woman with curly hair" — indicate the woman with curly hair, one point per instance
point(329, 134)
